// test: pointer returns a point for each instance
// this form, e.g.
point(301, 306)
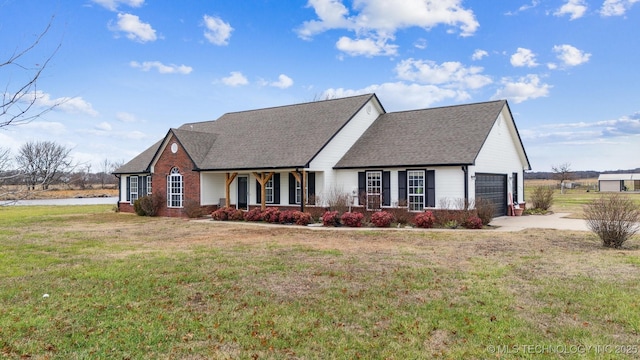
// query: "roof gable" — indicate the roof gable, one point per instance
point(450, 135)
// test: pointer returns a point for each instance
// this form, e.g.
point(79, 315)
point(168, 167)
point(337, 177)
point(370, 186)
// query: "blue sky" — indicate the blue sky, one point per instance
point(128, 70)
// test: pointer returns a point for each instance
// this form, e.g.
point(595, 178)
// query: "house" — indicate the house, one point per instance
point(619, 182)
point(417, 159)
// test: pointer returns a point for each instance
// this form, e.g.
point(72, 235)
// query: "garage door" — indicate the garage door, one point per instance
point(493, 188)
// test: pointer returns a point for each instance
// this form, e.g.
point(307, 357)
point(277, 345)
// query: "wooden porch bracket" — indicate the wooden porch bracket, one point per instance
point(262, 180)
point(228, 179)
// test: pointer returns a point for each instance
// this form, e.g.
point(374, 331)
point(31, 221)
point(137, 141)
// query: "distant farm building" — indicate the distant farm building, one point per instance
point(619, 182)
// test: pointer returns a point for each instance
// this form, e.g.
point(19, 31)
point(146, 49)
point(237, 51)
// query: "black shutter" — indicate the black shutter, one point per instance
point(402, 186)
point(431, 188)
point(258, 193)
point(386, 188)
point(292, 189)
point(311, 186)
point(276, 188)
point(514, 185)
point(142, 186)
point(362, 189)
point(128, 188)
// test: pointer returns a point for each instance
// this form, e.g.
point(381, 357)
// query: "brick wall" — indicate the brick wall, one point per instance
point(167, 161)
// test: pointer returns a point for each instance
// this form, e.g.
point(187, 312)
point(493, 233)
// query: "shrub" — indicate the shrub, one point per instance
point(254, 214)
point(451, 224)
point(330, 218)
point(485, 210)
point(287, 217)
point(424, 220)
point(614, 218)
point(473, 222)
point(227, 213)
point(542, 197)
point(271, 215)
point(352, 219)
point(302, 218)
point(337, 200)
point(401, 215)
point(192, 209)
point(382, 219)
point(148, 205)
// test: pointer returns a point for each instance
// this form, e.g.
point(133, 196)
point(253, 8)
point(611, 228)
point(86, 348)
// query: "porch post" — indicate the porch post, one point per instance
point(262, 180)
point(228, 180)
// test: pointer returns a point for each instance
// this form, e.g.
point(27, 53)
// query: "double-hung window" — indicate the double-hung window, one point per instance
point(148, 185)
point(133, 189)
point(374, 190)
point(268, 188)
point(416, 189)
point(175, 189)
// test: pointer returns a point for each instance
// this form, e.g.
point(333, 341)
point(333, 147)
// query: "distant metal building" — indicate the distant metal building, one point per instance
point(619, 182)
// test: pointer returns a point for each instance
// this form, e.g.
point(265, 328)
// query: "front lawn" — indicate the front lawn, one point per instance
point(130, 287)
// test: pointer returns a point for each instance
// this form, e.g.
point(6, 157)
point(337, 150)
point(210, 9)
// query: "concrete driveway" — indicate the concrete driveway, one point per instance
point(552, 221)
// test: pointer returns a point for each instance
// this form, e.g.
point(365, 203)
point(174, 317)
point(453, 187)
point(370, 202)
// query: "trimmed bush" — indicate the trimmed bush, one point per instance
point(271, 215)
point(473, 222)
point(302, 218)
point(287, 217)
point(614, 218)
point(352, 219)
point(228, 213)
point(148, 205)
point(424, 220)
point(254, 214)
point(382, 219)
point(330, 218)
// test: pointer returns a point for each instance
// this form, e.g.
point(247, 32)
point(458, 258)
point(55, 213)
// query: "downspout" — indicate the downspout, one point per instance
point(119, 191)
point(465, 170)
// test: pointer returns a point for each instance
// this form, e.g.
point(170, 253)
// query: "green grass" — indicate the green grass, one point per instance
point(123, 286)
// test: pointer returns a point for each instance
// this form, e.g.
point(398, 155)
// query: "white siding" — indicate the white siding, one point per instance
point(339, 145)
point(123, 188)
point(212, 188)
point(500, 155)
point(449, 185)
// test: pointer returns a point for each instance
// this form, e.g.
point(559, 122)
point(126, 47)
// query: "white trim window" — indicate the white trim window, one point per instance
point(133, 189)
point(298, 198)
point(268, 190)
point(148, 184)
point(416, 189)
point(374, 190)
point(175, 189)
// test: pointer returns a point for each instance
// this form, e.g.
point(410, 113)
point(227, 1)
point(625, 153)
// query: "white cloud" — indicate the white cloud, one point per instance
point(235, 79)
point(135, 29)
point(50, 128)
point(104, 126)
point(479, 54)
point(376, 21)
point(451, 74)
point(571, 56)
point(534, 3)
point(524, 57)
point(616, 7)
point(283, 82)
point(574, 8)
point(217, 31)
point(366, 47)
point(126, 117)
point(71, 105)
point(162, 68)
point(522, 89)
point(113, 4)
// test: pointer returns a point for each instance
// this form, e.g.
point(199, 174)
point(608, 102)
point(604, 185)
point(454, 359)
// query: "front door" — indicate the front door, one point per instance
point(243, 188)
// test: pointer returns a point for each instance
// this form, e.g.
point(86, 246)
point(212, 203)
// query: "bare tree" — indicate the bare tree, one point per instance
point(43, 162)
point(19, 100)
point(563, 173)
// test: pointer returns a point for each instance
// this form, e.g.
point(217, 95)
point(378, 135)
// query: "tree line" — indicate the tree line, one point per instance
point(40, 164)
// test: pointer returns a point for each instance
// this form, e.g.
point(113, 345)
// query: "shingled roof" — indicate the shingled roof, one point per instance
point(278, 137)
point(450, 135)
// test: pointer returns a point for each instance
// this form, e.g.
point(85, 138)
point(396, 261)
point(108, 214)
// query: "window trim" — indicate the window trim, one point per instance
point(368, 187)
point(133, 190)
point(269, 191)
point(148, 184)
point(419, 188)
point(175, 178)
